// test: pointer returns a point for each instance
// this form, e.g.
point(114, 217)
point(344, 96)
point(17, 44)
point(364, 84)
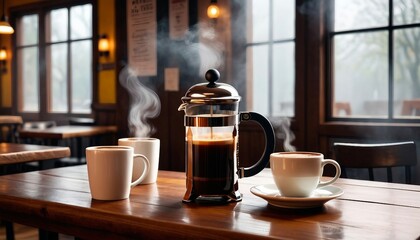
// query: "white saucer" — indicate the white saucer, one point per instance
point(271, 194)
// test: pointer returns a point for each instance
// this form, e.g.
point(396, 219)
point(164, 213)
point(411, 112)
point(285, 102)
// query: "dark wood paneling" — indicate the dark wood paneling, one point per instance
point(169, 124)
point(315, 74)
point(299, 128)
point(104, 114)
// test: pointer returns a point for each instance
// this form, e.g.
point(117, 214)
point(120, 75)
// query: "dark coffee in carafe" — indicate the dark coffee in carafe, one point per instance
point(214, 166)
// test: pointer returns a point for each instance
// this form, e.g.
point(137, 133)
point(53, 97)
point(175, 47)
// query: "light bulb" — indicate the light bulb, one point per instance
point(213, 11)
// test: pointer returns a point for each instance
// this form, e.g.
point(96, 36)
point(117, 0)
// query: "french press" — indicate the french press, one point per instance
point(211, 144)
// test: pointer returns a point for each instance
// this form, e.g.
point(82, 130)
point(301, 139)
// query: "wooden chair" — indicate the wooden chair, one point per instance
point(370, 156)
point(341, 107)
point(9, 126)
point(411, 107)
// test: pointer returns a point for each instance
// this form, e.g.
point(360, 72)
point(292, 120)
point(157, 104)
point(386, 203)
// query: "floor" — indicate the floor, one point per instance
point(21, 232)
point(27, 233)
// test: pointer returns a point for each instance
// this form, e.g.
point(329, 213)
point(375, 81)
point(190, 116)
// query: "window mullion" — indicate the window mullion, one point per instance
point(391, 62)
point(69, 85)
point(270, 59)
point(44, 86)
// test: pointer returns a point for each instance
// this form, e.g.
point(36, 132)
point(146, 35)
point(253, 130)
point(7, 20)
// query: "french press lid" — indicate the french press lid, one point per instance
point(212, 93)
point(210, 104)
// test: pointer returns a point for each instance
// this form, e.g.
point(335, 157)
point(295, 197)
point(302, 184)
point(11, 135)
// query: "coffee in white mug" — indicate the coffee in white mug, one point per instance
point(110, 169)
point(297, 174)
point(149, 147)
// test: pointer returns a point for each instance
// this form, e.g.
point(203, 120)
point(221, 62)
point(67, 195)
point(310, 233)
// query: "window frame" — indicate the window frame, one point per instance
point(390, 28)
point(298, 123)
point(270, 43)
point(311, 125)
point(41, 9)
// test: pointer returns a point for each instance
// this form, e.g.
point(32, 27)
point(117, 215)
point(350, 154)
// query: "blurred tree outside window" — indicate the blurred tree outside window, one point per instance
point(270, 54)
point(376, 59)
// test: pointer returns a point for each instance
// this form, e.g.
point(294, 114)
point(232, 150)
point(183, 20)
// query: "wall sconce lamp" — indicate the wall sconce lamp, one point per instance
point(104, 51)
point(3, 58)
point(103, 46)
point(213, 10)
point(5, 27)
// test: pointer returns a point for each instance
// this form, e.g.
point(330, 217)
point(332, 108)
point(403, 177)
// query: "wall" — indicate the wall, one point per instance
point(107, 78)
point(216, 35)
point(6, 83)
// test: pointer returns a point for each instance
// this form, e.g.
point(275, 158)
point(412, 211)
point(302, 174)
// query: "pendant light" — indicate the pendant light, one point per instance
point(5, 27)
point(213, 10)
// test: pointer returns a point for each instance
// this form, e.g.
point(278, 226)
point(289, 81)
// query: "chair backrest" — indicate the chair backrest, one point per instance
point(411, 107)
point(370, 156)
point(342, 107)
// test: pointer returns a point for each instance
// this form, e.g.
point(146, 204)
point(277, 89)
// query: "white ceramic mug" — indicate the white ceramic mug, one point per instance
point(110, 169)
point(150, 148)
point(297, 174)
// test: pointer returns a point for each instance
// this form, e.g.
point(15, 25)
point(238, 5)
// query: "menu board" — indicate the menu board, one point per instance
point(142, 37)
point(178, 18)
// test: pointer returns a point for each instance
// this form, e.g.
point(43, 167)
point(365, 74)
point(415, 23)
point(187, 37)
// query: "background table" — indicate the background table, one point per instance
point(63, 132)
point(19, 153)
point(59, 200)
point(53, 135)
point(13, 154)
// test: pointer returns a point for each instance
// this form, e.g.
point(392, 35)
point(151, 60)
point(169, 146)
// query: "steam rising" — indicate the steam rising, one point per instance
point(212, 51)
point(208, 52)
point(201, 42)
point(283, 131)
point(144, 104)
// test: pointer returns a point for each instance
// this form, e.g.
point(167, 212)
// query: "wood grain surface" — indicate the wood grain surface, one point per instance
point(59, 200)
point(6, 119)
point(19, 153)
point(71, 131)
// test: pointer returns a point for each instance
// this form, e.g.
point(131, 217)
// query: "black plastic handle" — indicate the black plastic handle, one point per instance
point(270, 143)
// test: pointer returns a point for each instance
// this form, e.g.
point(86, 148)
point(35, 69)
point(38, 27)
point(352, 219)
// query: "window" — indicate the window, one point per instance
point(60, 37)
point(376, 59)
point(27, 58)
point(270, 57)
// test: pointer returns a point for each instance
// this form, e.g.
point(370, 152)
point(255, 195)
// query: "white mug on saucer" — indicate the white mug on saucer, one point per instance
point(150, 148)
point(110, 169)
point(297, 174)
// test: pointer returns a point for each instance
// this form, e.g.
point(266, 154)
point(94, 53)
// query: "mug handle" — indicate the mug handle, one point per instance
point(145, 169)
point(337, 172)
point(270, 143)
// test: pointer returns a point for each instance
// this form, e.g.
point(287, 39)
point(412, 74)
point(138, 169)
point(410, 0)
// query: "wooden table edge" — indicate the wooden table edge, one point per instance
point(47, 154)
point(58, 217)
point(91, 130)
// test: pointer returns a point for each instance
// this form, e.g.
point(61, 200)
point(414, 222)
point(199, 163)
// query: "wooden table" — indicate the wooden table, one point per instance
point(11, 153)
point(53, 134)
point(15, 153)
point(63, 132)
point(6, 119)
point(59, 200)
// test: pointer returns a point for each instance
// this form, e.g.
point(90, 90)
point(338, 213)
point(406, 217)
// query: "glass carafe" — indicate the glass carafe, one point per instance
point(211, 141)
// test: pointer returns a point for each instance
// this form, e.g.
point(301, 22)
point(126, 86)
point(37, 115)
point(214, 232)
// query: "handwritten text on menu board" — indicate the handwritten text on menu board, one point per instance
point(178, 19)
point(142, 37)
